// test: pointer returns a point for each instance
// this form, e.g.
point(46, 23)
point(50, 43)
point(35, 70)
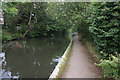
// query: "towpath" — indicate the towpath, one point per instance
point(79, 64)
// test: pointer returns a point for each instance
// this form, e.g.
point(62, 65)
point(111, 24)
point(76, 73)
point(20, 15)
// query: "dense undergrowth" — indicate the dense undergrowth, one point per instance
point(103, 26)
point(35, 19)
point(7, 36)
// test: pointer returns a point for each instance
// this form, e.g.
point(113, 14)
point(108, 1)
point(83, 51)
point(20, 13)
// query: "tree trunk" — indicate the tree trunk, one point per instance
point(29, 24)
point(29, 29)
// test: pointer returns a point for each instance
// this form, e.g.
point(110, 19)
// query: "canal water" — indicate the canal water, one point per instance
point(36, 59)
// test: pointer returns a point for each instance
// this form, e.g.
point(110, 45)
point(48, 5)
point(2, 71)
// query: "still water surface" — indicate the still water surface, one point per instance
point(36, 59)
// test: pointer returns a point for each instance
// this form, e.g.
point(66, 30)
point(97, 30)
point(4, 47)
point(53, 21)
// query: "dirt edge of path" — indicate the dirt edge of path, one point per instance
point(68, 72)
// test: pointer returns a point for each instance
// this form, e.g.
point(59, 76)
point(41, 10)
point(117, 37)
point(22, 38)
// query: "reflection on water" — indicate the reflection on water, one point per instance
point(36, 59)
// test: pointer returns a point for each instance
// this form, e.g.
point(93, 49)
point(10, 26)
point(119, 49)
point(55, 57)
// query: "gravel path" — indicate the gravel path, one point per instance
point(79, 64)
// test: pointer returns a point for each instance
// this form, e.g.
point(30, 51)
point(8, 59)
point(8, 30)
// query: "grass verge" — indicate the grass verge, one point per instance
point(56, 74)
point(62, 66)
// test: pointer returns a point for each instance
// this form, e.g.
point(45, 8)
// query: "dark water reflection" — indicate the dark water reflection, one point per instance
point(36, 59)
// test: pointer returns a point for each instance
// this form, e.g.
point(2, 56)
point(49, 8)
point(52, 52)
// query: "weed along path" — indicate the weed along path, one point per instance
point(79, 63)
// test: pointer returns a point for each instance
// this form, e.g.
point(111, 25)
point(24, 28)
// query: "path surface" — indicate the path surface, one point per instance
point(79, 64)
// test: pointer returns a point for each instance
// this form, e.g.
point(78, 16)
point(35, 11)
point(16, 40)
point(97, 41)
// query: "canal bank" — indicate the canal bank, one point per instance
point(61, 65)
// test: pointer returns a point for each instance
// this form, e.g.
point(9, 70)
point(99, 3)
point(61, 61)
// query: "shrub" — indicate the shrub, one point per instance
point(17, 35)
point(111, 67)
point(6, 35)
point(105, 27)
